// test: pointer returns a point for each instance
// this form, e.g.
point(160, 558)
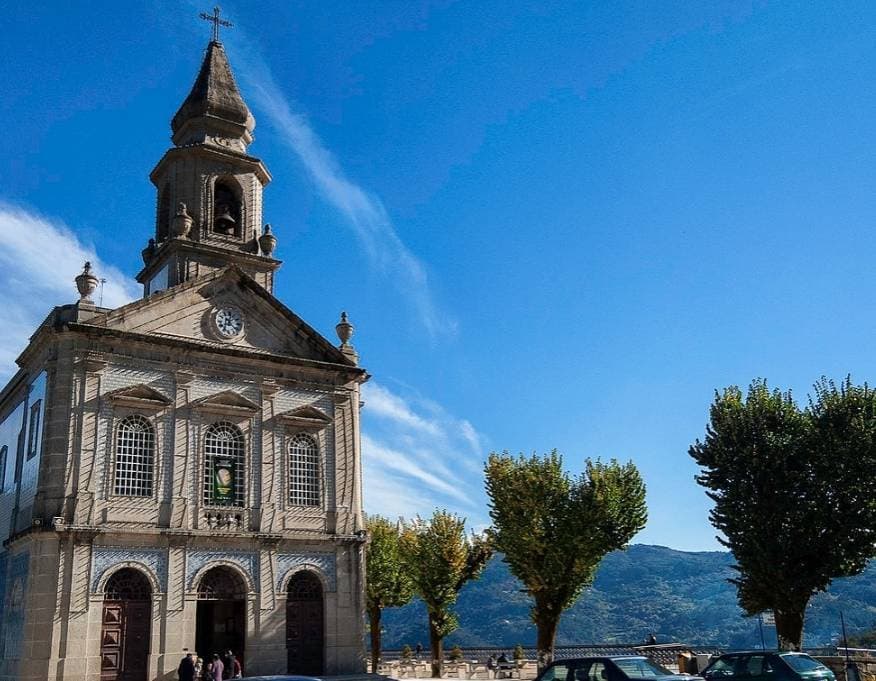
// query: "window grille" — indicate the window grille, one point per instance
point(221, 584)
point(223, 448)
point(303, 471)
point(304, 586)
point(128, 585)
point(135, 457)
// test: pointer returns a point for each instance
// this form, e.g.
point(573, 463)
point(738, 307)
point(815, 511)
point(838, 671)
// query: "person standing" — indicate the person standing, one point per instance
point(217, 669)
point(186, 669)
point(233, 669)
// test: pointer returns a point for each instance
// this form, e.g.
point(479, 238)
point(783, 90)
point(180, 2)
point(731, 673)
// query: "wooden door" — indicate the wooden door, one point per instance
point(124, 646)
point(305, 625)
point(124, 641)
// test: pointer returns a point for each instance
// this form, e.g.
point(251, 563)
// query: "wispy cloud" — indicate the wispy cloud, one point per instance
point(39, 259)
point(364, 212)
point(418, 456)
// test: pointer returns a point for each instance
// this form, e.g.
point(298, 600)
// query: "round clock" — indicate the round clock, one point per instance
point(228, 321)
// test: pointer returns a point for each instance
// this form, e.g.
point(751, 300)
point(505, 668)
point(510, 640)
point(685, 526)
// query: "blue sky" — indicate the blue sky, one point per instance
point(553, 224)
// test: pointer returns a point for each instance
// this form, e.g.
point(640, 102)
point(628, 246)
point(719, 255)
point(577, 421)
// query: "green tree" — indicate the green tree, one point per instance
point(554, 529)
point(387, 584)
point(794, 492)
point(440, 559)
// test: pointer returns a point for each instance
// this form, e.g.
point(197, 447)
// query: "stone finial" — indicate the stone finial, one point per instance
point(86, 283)
point(345, 331)
point(267, 242)
point(182, 222)
point(148, 252)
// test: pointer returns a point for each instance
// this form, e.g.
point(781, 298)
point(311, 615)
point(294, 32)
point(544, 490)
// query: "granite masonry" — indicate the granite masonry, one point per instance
point(183, 472)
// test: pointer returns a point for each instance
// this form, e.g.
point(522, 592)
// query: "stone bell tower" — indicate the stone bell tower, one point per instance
point(209, 207)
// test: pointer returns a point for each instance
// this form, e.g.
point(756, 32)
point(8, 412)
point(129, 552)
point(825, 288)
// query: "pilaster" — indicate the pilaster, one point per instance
point(86, 486)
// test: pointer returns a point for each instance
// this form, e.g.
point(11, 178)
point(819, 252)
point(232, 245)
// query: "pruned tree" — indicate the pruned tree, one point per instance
point(440, 559)
point(794, 492)
point(387, 584)
point(554, 529)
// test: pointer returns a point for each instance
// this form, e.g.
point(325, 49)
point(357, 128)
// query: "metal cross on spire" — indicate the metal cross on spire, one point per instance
point(216, 21)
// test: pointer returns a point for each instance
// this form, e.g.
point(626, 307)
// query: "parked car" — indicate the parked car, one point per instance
point(759, 665)
point(280, 677)
point(613, 668)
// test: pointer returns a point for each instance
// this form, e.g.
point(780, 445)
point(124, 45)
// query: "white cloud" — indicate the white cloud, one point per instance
point(364, 212)
point(390, 406)
point(417, 456)
point(39, 260)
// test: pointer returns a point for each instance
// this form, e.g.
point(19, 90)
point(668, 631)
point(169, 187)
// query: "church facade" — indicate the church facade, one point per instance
point(183, 472)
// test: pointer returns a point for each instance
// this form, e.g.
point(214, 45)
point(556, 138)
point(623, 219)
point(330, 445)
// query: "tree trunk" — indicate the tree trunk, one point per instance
point(436, 644)
point(789, 628)
point(546, 628)
point(374, 620)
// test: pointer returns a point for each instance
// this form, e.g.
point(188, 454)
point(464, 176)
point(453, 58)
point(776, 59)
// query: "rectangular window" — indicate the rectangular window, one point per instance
point(33, 430)
point(4, 450)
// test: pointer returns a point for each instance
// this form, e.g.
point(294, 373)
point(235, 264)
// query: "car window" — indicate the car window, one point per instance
point(723, 666)
point(640, 668)
point(597, 672)
point(803, 663)
point(754, 665)
point(556, 672)
point(579, 671)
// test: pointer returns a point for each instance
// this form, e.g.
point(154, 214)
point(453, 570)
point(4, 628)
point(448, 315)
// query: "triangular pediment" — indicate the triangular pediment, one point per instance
point(189, 311)
point(140, 396)
point(305, 417)
point(226, 401)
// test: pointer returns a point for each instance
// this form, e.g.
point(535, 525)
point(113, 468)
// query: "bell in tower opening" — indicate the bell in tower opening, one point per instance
point(226, 212)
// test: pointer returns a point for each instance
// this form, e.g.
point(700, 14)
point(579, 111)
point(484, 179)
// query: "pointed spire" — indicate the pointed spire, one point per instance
point(214, 106)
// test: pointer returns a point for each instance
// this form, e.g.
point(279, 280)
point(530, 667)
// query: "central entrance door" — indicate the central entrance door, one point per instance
point(127, 616)
point(304, 625)
point(221, 615)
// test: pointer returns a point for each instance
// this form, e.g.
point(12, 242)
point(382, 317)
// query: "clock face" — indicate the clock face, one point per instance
point(228, 321)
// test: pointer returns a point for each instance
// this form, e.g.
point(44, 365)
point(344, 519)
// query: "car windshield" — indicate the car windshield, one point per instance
point(803, 663)
point(640, 668)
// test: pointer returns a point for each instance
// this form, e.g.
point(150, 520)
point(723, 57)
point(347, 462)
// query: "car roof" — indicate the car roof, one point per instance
point(591, 658)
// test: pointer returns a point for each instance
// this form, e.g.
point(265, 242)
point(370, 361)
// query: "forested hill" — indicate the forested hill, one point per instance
point(679, 595)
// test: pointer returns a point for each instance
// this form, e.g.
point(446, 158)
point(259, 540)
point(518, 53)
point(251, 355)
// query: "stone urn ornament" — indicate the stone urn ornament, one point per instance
point(267, 242)
point(148, 252)
point(182, 222)
point(344, 330)
point(87, 284)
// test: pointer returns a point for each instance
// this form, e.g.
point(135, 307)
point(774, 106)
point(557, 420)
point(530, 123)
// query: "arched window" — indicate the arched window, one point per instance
point(226, 210)
point(223, 469)
point(303, 471)
point(135, 457)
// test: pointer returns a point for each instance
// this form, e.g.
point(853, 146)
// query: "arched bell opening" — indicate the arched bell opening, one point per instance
point(126, 627)
point(221, 614)
point(305, 625)
point(227, 205)
point(163, 230)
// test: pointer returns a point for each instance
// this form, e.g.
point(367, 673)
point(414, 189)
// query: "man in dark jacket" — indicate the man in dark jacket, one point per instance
point(186, 670)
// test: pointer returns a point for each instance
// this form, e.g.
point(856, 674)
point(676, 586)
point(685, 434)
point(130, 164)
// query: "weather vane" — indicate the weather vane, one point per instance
point(216, 21)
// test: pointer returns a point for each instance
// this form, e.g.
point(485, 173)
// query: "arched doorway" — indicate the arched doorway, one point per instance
point(304, 625)
point(221, 615)
point(126, 625)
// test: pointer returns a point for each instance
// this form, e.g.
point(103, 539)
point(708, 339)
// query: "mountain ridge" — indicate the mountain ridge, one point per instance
point(679, 595)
